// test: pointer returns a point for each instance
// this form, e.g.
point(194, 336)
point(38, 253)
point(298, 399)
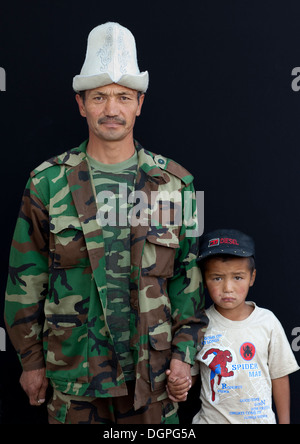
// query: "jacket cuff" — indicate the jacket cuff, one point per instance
point(35, 366)
point(187, 356)
point(33, 361)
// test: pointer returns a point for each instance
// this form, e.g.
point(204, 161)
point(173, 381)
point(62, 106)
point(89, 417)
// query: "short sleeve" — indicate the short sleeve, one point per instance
point(282, 361)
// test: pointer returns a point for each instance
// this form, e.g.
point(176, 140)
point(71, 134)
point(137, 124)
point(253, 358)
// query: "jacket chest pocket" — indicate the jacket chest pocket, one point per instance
point(67, 243)
point(158, 256)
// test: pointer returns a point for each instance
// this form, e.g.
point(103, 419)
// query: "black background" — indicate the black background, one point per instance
point(220, 102)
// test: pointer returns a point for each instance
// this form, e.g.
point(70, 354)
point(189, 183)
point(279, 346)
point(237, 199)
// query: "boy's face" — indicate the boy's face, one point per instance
point(228, 282)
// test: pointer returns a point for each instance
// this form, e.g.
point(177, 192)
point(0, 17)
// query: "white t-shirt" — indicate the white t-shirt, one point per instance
point(237, 363)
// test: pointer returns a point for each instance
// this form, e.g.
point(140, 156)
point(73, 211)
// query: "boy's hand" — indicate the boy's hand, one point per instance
point(179, 380)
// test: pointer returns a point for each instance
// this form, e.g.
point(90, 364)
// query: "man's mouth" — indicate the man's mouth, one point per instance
point(111, 121)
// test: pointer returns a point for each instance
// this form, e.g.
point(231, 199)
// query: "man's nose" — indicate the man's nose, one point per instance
point(111, 107)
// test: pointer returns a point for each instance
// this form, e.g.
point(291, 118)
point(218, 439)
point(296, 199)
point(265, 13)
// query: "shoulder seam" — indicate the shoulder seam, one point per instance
point(61, 159)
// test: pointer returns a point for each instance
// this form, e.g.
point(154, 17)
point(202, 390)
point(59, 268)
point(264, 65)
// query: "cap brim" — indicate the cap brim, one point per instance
point(239, 252)
point(138, 82)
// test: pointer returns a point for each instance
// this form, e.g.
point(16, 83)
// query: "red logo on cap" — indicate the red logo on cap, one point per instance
point(227, 240)
point(214, 242)
point(223, 240)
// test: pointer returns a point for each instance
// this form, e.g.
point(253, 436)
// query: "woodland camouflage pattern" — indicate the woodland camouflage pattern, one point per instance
point(117, 184)
point(56, 305)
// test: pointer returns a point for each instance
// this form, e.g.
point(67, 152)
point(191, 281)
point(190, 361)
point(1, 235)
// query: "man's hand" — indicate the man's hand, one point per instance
point(179, 380)
point(35, 383)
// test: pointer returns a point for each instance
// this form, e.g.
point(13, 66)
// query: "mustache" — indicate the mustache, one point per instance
point(111, 120)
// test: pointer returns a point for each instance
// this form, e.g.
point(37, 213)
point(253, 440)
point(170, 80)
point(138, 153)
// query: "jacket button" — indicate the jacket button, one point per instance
point(135, 303)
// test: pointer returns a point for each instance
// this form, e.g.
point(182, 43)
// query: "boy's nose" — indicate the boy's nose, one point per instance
point(227, 288)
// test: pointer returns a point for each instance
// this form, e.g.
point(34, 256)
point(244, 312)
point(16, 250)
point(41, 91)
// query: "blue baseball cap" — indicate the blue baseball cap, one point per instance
point(226, 241)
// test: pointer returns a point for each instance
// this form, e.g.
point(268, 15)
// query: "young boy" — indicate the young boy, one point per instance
point(246, 356)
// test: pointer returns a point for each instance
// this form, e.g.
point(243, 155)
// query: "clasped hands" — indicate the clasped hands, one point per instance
point(179, 380)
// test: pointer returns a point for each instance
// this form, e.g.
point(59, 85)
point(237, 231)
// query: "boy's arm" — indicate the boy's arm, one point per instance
point(281, 396)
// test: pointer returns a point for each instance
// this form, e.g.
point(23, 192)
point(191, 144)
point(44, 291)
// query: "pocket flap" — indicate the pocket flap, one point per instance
point(165, 237)
point(59, 224)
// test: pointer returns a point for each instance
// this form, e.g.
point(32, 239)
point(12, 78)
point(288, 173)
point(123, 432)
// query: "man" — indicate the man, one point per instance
point(102, 297)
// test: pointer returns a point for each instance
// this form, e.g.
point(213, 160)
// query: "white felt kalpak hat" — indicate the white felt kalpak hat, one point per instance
point(111, 58)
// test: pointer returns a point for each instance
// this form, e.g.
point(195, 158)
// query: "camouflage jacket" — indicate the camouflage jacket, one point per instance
point(55, 309)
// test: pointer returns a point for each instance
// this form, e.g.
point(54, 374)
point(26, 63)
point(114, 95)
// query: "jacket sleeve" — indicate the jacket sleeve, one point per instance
point(185, 290)
point(28, 280)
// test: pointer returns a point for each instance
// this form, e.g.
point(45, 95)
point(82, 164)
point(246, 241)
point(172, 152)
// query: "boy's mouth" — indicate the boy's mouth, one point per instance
point(227, 299)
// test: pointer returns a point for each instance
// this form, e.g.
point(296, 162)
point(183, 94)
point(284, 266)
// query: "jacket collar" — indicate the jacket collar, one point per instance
point(152, 165)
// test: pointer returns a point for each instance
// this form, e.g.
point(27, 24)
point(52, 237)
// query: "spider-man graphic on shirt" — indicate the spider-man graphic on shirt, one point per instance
point(218, 366)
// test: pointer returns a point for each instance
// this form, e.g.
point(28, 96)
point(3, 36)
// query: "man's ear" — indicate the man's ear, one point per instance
point(141, 101)
point(81, 106)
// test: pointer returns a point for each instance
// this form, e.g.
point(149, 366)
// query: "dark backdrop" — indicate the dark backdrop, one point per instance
point(220, 102)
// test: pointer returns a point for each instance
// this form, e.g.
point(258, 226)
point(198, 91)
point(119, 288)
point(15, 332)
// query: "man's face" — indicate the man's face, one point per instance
point(110, 111)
